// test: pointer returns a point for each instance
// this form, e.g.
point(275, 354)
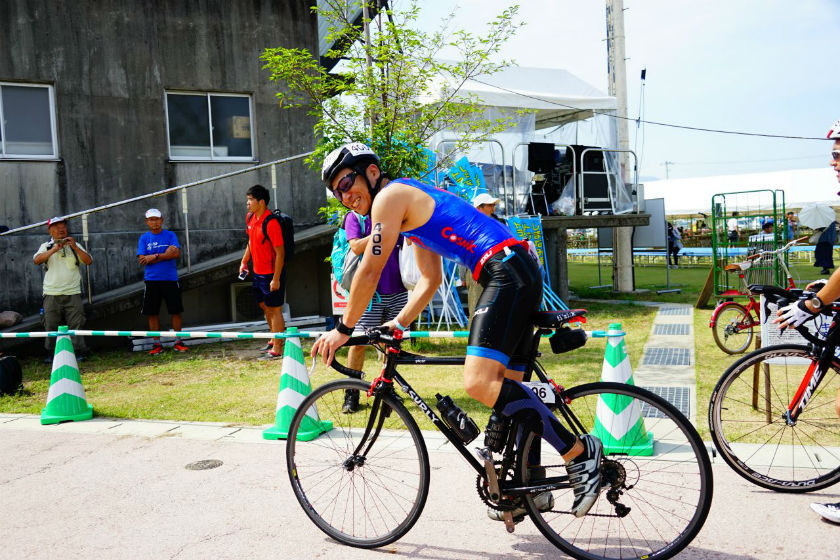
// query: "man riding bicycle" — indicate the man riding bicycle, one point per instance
point(441, 224)
point(797, 313)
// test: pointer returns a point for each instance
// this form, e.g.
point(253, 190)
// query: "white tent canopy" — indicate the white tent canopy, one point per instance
point(556, 96)
point(685, 196)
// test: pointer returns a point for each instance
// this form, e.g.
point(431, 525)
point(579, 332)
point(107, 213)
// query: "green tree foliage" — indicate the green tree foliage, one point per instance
point(380, 92)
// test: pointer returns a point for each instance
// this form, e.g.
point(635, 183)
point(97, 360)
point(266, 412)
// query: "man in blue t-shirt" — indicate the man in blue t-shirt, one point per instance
point(158, 250)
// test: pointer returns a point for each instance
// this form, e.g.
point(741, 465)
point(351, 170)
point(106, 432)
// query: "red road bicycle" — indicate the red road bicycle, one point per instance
point(733, 323)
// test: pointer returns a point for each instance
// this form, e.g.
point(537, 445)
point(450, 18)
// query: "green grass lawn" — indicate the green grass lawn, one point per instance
point(224, 382)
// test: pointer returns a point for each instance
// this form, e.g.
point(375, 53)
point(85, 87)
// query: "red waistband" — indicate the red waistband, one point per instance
point(493, 250)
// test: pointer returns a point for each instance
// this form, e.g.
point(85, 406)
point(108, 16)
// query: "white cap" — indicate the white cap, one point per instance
point(484, 198)
point(153, 213)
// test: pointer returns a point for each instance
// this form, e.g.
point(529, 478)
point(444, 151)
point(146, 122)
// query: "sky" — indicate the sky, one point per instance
point(768, 67)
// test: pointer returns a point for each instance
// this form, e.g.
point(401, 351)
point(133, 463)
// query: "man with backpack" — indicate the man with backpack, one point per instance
point(267, 251)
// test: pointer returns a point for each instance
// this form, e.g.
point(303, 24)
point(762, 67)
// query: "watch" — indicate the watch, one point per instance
point(816, 303)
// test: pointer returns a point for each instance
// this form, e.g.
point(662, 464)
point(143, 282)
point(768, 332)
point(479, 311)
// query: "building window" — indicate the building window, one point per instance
point(209, 126)
point(27, 121)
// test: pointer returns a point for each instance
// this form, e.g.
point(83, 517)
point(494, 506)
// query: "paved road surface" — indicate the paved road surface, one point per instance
point(112, 489)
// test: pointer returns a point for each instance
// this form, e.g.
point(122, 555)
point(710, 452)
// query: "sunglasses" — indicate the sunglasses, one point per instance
point(836, 155)
point(344, 185)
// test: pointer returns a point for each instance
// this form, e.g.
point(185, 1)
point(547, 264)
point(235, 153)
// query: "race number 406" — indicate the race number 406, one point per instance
point(543, 391)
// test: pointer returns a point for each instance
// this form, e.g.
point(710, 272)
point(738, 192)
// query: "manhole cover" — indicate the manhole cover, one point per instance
point(675, 329)
point(667, 357)
point(677, 396)
point(204, 465)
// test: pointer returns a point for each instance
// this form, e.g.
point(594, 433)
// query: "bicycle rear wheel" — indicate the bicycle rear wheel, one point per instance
point(745, 418)
point(657, 477)
point(733, 330)
point(364, 497)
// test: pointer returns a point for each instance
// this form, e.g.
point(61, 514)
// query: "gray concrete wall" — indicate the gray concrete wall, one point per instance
point(110, 63)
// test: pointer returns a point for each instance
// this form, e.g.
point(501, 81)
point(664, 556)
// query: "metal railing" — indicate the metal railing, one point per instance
point(185, 208)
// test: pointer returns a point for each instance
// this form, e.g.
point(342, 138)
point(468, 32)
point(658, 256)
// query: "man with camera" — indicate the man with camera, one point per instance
point(61, 257)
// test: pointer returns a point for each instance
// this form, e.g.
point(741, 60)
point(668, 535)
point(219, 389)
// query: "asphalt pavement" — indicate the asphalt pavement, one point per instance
point(121, 489)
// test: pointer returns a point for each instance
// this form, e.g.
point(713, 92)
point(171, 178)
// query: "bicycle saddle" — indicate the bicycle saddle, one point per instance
point(554, 319)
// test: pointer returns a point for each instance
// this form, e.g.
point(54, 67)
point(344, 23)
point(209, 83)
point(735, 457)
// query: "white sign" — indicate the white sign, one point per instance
point(544, 391)
point(339, 298)
point(771, 334)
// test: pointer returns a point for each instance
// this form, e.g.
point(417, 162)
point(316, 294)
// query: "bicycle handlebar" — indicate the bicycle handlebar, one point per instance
point(777, 251)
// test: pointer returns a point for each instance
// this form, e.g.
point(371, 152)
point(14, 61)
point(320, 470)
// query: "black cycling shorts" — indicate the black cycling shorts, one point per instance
point(159, 290)
point(501, 326)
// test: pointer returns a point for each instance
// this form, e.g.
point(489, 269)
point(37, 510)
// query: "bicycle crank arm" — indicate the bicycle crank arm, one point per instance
point(490, 472)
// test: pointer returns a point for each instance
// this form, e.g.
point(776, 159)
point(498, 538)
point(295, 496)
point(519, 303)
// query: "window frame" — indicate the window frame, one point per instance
point(208, 95)
point(53, 126)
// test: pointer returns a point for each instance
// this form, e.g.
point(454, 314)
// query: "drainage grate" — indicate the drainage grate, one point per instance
point(674, 310)
point(677, 396)
point(204, 465)
point(675, 329)
point(667, 357)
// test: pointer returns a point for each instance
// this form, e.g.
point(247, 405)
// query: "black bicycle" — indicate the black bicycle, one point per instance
point(772, 414)
point(364, 482)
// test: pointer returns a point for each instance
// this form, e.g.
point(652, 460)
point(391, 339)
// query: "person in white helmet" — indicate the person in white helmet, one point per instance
point(797, 313)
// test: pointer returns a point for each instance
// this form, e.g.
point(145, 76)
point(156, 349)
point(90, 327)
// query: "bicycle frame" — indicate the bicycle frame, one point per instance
point(817, 370)
point(389, 375)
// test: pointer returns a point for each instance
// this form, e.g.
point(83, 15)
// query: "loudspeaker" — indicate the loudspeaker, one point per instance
point(540, 157)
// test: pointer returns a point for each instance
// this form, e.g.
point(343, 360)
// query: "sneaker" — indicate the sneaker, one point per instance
point(831, 512)
point(80, 358)
point(825, 271)
point(180, 346)
point(351, 401)
point(270, 355)
point(156, 350)
point(266, 348)
point(544, 502)
point(48, 360)
point(585, 475)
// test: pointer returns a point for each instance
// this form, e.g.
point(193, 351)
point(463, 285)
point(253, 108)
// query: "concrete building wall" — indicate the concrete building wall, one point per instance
point(110, 63)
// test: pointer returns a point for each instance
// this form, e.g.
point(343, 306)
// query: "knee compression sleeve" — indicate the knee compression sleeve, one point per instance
point(516, 401)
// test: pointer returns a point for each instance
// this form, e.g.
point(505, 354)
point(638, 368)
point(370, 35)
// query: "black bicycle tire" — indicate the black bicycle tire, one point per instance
point(704, 467)
point(716, 337)
point(725, 449)
point(423, 456)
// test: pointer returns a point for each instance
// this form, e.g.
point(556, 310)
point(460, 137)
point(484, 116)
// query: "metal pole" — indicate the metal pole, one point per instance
point(86, 237)
point(186, 226)
point(274, 184)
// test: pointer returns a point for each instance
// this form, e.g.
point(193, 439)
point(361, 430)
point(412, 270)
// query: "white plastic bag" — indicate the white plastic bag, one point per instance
point(408, 266)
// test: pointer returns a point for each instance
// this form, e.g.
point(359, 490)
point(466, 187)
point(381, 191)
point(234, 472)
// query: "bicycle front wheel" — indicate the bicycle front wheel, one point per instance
point(733, 330)
point(656, 477)
point(746, 420)
point(361, 493)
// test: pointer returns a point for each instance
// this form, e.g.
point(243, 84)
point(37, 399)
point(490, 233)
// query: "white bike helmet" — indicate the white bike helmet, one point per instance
point(834, 132)
point(354, 155)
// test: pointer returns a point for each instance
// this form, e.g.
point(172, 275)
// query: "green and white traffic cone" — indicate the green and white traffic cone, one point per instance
point(294, 387)
point(618, 422)
point(66, 400)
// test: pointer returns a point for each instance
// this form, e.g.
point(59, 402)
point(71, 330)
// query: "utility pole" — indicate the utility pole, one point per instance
point(668, 165)
point(622, 236)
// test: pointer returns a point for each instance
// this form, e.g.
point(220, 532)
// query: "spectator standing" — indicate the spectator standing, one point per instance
point(265, 248)
point(61, 257)
point(390, 297)
point(733, 233)
point(790, 229)
point(486, 204)
point(674, 245)
point(157, 251)
point(824, 250)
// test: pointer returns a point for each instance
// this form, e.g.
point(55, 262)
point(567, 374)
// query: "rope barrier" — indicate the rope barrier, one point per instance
point(236, 335)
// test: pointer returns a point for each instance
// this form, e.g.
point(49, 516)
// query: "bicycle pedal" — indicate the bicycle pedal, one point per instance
point(510, 525)
point(490, 472)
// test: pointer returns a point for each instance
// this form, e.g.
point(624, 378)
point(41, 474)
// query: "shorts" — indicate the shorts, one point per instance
point(501, 326)
point(381, 310)
point(732, 236)
point(262, 289)
point(159, 290)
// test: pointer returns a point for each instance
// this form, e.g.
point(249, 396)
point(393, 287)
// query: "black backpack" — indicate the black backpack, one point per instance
point(11, 376)
point(286, 227)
